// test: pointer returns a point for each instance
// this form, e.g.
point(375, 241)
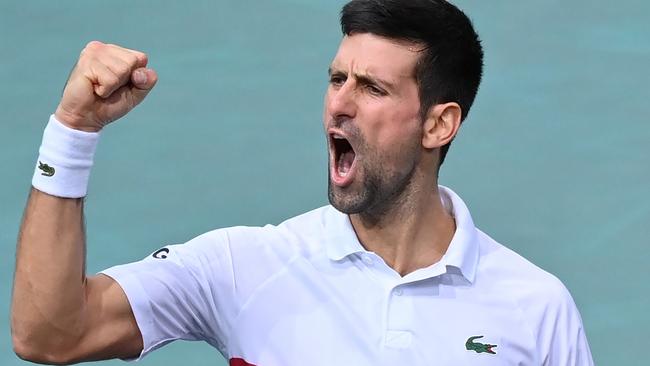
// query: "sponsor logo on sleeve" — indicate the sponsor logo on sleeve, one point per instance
point(161, 253)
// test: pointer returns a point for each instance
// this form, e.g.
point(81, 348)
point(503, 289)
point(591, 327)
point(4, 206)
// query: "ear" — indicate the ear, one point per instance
point(441, 125)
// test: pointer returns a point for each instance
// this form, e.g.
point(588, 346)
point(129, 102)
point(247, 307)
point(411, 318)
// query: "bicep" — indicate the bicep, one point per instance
point(138, 307)
point(111, 330)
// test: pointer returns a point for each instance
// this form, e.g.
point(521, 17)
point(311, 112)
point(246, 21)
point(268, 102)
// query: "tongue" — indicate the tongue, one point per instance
point(345, 163)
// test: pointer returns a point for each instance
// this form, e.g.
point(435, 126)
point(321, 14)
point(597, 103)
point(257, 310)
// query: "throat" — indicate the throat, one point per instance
point(408, 240)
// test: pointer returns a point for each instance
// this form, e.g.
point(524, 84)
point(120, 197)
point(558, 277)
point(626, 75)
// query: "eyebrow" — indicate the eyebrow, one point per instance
point(365, 79)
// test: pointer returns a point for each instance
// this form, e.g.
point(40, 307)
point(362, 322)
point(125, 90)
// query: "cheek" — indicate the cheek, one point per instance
point(394, 149)
point(399, 130)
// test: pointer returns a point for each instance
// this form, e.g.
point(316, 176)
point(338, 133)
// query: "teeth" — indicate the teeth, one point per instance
point(338, 137)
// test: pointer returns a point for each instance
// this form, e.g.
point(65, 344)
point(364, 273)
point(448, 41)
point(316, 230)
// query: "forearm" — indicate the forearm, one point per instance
point(58, 315)
point(49, 284)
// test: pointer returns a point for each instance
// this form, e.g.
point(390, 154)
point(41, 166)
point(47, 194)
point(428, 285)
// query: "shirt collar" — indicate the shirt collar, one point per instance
point(342, 240)
point(463, 251)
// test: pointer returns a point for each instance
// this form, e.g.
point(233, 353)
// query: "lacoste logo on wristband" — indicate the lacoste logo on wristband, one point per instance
point(479, 347)
point(48, 171)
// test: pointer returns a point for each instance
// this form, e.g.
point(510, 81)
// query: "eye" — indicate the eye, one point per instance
point(337, 80)
point(372, 89)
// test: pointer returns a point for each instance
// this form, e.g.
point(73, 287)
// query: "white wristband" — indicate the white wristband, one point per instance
point(66, 156)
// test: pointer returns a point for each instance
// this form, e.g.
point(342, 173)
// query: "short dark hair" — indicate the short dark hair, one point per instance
point(451, 64)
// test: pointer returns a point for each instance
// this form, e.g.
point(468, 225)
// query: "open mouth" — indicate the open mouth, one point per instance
point(342, 160)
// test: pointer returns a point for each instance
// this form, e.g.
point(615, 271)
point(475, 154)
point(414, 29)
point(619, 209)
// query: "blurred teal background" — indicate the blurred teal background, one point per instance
point(553, 160)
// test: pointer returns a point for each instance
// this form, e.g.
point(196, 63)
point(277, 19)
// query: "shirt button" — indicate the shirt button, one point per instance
point(368, 260)
point(399, 291)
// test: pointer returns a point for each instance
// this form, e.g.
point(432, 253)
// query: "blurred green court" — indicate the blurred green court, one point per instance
point(553, 161)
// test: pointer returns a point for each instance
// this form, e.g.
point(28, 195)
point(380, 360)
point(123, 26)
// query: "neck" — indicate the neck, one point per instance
point(412, 233)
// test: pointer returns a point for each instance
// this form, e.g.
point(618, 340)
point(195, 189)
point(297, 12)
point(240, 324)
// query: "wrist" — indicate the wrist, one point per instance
point(75, 121)
point(65, 159)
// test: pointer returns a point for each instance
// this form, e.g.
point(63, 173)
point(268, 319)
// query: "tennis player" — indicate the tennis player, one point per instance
point(393, 272)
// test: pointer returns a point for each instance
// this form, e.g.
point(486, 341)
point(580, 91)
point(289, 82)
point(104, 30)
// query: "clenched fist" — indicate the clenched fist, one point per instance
point(105, 84)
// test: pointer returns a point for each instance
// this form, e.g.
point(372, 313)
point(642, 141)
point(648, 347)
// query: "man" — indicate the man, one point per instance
point(394, 272)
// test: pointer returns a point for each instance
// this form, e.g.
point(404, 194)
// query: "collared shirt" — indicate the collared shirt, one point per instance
point(306, 292)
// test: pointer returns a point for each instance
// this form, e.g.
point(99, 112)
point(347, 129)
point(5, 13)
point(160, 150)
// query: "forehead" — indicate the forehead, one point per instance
point(371, 54)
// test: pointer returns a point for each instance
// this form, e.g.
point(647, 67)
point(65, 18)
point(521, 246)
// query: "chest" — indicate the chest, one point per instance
point(328, 316)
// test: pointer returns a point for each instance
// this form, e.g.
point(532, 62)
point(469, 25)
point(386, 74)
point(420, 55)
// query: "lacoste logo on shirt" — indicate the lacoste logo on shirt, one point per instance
point(479, 347)
point(48, 171)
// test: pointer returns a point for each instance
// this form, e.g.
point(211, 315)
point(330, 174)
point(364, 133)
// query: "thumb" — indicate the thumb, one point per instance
point(142, 80)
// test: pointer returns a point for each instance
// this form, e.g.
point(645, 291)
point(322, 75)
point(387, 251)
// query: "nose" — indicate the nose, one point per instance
point(341, 101)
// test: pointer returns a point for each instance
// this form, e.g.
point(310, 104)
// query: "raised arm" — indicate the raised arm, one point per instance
point(58, 314)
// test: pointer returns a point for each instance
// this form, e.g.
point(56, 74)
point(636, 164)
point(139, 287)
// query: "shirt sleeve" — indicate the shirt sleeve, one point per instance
point(562, 336)
point(181, 292)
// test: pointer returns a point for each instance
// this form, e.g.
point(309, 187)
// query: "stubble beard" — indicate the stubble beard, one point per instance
point(381, 190)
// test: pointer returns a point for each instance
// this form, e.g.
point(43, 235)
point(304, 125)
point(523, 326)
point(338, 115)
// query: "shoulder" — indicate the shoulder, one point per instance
point(506, 268)
point(301, 235)
point(543, 302)
point(542, 299)
point(538, 294)
point(247, 256)
point(297, 235)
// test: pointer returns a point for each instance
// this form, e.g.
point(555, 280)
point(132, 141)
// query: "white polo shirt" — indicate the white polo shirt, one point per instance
point(306, 292)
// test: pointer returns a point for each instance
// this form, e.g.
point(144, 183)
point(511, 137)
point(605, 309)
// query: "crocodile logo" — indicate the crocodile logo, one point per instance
point(479, 347)
point(48, 171)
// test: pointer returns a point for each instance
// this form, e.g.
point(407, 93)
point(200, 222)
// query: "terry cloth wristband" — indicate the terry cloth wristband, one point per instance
point(64, 162)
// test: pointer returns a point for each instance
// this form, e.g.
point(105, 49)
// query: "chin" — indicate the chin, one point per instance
point(347, 200)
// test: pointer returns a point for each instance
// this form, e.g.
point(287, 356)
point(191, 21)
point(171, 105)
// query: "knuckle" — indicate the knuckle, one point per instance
point(111, 79)
point(141, 55)
point(121, 69)
point(124, 72)
point(131, 59)
point(93, 45)
point(91, 48)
